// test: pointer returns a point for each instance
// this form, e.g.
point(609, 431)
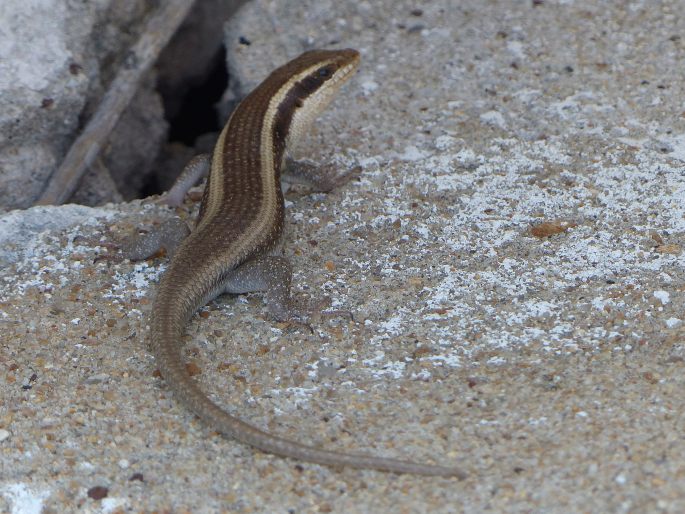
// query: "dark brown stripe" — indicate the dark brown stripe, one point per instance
point(295, 99)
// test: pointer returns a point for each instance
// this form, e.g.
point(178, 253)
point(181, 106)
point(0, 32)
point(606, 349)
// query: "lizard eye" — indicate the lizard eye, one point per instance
point(324, 72)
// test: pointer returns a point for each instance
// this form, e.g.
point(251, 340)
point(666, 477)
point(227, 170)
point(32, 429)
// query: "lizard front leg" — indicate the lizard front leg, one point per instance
point(172, 232)
point(320, 177)
point(196, 168)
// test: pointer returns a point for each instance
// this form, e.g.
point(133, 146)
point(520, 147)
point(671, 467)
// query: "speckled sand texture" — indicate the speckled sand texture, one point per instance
point(512, 255)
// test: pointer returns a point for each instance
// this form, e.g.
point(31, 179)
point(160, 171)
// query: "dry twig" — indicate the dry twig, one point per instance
point(161, 25)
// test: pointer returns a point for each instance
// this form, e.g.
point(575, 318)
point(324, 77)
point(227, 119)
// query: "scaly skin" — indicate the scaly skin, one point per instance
point(240, 224)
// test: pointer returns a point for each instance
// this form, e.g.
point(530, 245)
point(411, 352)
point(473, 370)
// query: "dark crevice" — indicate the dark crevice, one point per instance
point(197, 114)
point(192, 116)
point(150, 186)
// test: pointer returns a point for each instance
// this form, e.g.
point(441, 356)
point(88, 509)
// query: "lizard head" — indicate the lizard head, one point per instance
point(309, 82)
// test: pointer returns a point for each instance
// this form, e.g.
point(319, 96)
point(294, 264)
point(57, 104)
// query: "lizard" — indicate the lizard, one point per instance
point(234, 247)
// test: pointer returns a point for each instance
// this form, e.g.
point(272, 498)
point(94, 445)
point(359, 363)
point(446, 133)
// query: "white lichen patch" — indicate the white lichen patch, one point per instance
point(133, 281)
point(46, 246)
point(22, 499)
point(488, 281)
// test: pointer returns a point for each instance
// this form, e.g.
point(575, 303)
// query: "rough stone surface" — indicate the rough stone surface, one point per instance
point(512, 255)
point(55, 60)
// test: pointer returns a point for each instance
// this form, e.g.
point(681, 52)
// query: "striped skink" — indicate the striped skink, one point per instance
point(234, 246)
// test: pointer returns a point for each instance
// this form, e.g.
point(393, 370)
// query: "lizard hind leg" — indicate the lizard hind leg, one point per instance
point(169, 235)
point(271, 274)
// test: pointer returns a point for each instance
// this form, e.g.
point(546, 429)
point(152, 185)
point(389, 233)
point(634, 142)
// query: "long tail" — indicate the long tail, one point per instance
point(171, 310)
